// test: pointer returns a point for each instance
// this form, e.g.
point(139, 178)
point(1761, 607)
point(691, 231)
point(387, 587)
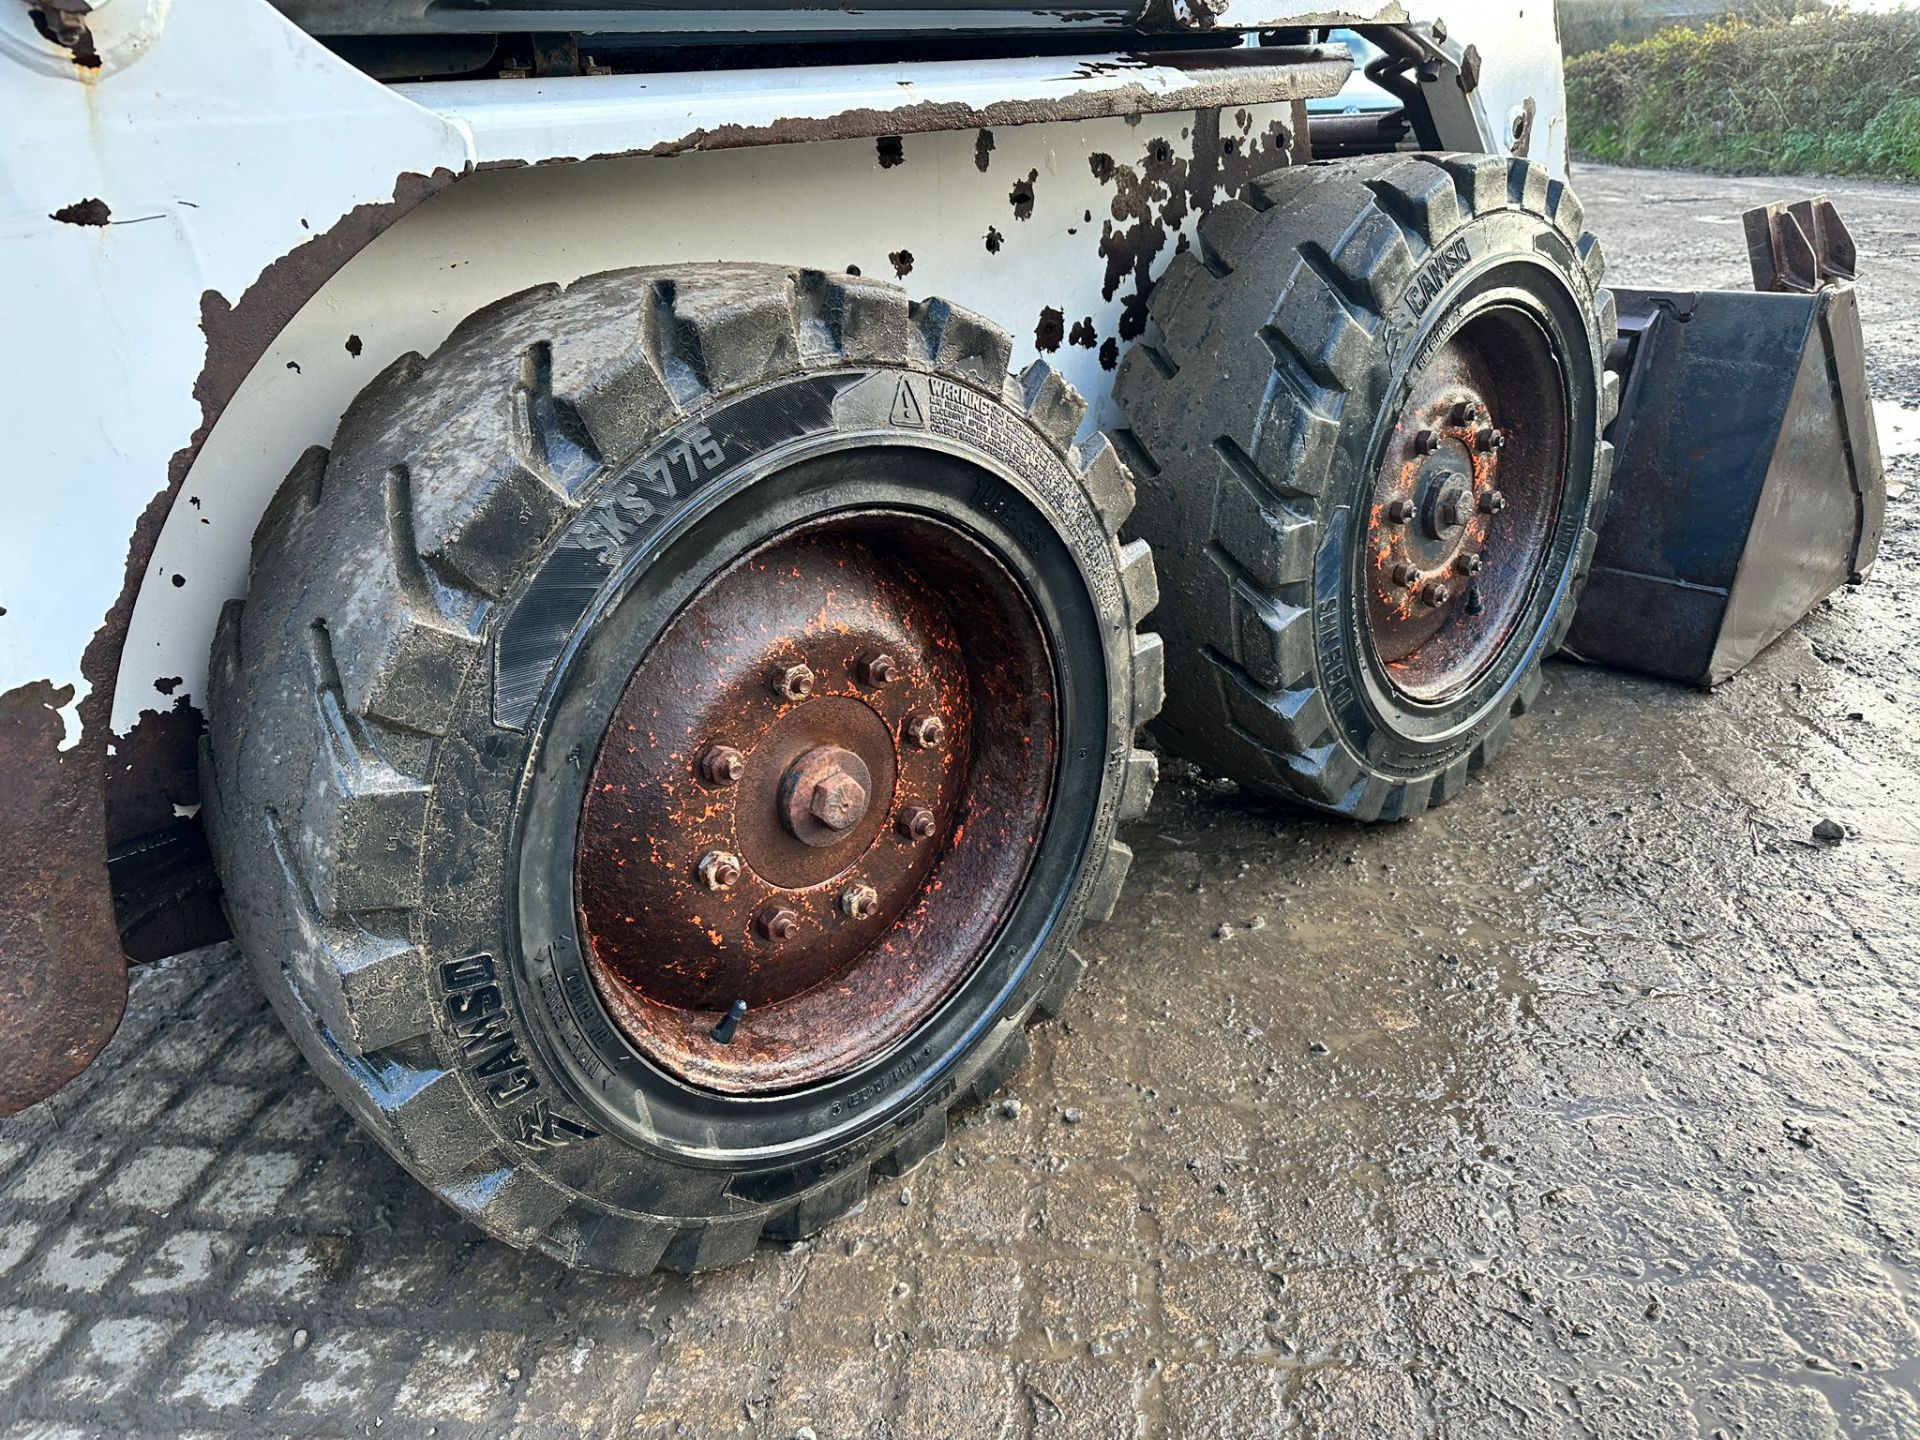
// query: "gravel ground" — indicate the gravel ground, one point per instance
point(1586, 1106)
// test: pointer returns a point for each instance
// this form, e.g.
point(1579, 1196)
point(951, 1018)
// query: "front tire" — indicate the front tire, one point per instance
point(566, 807)
point(1366, 423)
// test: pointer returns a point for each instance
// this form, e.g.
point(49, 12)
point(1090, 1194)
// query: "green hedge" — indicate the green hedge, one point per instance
point(1589, 25)
point(1833, 94)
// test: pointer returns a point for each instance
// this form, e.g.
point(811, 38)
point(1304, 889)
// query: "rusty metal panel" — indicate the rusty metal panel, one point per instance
point(62, 981)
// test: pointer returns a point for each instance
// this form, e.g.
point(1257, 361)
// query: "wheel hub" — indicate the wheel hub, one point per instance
point(837, 729)
point(1463, 505)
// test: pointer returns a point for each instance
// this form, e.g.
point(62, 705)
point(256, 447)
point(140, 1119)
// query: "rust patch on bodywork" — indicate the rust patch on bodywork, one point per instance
point(1152, 200)
point(90, 211)
point(1052, 327)
point(63, 984)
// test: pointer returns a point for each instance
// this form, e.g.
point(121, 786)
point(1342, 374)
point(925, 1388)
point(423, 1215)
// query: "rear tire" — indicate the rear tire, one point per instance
point(1284, 362)
point(443, 613)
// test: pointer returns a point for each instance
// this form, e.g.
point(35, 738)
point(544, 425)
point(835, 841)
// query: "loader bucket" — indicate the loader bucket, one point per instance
point(1747, 483)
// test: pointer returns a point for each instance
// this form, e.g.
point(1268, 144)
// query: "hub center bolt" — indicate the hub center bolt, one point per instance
point(719, 870)
point(825, 789)
point(838, 801)
point(1454, 511)
point(858, 901)
point(793, 682)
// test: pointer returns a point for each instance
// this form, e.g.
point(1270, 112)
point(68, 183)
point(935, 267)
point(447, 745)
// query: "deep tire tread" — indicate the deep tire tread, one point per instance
point(447, 478)
point(1231, 509)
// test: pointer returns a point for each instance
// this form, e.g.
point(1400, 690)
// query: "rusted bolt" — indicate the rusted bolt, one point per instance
point(1425, 442)
point(915, 823)
point(876, 668)
point(1399, 512)
point(1474, 603)
point(793, 682)
point(722, 765)
point(926, 731)
point(1488, 438)
point(1493, 502)
point(723, 1033)
point(1454, 510)
point(719, 870)
point(1436, 594)
point(858, 901)
point(775, 923)
point(1405, 575)
point(838, 800)
point(824, 794)
point(1466, 564)
point(1464, 412)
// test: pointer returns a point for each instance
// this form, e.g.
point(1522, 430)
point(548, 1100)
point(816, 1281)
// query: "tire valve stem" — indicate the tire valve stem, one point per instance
point(729, 1024)
point(1474, 603)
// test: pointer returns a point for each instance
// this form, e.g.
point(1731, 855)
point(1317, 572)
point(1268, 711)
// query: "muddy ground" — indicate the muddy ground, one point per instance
point(1586, 1106)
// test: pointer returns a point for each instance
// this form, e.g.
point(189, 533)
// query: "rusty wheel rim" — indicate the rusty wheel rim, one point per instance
point(815, 802)
point(1463, 505)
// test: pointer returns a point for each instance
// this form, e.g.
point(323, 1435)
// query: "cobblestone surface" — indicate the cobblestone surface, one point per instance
point(1587, 1106)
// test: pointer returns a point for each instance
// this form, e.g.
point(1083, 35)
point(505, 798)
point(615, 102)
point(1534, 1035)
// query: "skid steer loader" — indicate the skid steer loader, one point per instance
point(625, 549)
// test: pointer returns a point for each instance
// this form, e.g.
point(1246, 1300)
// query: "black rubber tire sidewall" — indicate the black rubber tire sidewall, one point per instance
point(1028, 507)
point(1515, 253)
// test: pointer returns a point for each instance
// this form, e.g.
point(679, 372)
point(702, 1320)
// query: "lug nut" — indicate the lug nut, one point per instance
point(1436, 594)
point(775, 923)
point(719, 870)
point(1493, 502)
point(926, 731)
point(876, 668)
point(1474, 603)
point(1464, 412)
point(1405, 575)
point(1399, 512)
point(857, 902)
point(722, 765)
point(1488, 438)
point(1425, 442)
point(793, 682)
point(915, 823)
point(1466, 564)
